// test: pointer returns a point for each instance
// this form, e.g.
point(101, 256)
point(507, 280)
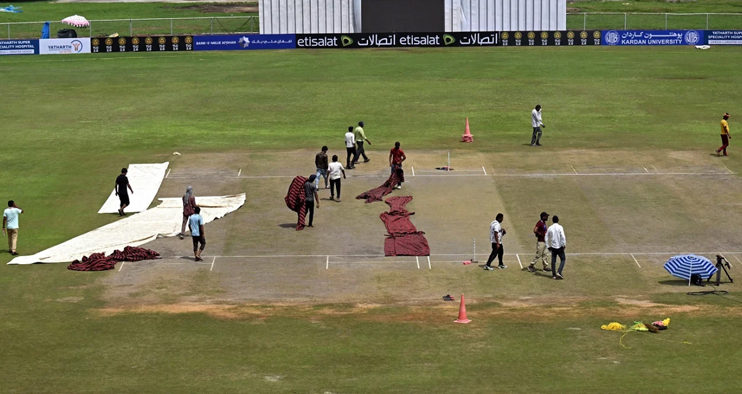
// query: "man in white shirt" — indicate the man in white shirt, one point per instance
point(10, 225)
point(496, 234)
point(537, 125)
point(350, 147)
point(557, 242)
point(335, 168)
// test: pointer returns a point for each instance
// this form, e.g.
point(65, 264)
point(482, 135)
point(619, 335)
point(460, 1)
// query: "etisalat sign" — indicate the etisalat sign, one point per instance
point(397, 40)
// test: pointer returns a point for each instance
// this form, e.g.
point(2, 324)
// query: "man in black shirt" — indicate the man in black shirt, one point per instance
point(122, 182)
point(310, 197)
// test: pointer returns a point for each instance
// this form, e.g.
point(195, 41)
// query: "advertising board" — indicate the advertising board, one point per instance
point(724, 37)
point(396, 40)
point(19, 47)
point(141, 44)
point(64, 46)
point(653, 37)
point(244, 42)
point(551, 38)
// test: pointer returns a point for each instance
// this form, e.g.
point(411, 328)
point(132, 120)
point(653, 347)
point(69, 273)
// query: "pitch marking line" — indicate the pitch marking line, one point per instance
point(637, 263)
point(477, 173)
point(239, 172)
point(168, 173)
point(413, 170)
point(122, 265)
point(455, 254)
point(484, 171)
point(327, 263)
point(521, 265)
point(429, 266)
point(645, 169)
point(212, 264)
point(417, 260)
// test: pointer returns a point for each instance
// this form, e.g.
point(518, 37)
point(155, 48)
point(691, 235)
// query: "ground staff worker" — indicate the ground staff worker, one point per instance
point(725, 136)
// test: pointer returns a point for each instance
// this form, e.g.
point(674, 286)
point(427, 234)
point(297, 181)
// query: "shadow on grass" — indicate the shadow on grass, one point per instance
point(675, 282)
point(287, 225)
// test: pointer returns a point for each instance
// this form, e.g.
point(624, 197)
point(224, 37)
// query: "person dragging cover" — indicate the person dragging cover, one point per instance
point(189, 205)
point(122, 182)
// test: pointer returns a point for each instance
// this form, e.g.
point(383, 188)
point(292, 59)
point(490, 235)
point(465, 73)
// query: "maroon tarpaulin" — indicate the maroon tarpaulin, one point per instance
point(99, 261)
point(376, 194)
point(295, 200)
point(402, 239)
point(410, 244)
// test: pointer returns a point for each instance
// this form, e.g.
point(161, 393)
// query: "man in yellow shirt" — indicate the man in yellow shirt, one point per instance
point(725, 136)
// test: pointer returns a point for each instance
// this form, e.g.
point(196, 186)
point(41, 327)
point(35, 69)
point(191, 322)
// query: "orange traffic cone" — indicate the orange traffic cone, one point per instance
point(462, 313)
point(467, 137)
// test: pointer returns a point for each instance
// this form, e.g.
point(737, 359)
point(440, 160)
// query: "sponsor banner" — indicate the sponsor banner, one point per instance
point(724, 37)
point(653, 37)
point(551, 38)
point(141, 44)
point(64, 46)
point(244, 42)
point(19, 47)
point(405, 40)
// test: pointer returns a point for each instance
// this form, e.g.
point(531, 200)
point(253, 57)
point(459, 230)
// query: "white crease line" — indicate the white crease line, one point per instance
point(168, 173)
point(573, 168)
point(645, 169)
point(327, 263)
point(483, 170)
point(464, 254)
point(737, 258)
point(429, 266)
point(122, 265)
point(212, 264)
point(417, 260)
point(521, 265)
point(637, 263)
point(413, 170)
point(239, 172)
point(462, 173)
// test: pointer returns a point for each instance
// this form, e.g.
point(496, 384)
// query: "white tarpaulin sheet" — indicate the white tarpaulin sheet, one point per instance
point(134, 230)
point(145, 180)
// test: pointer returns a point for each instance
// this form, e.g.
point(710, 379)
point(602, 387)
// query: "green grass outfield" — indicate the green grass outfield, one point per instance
point(71, 122)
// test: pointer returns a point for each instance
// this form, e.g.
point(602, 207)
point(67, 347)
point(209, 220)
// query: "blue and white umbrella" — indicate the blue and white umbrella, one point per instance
point(683, 266)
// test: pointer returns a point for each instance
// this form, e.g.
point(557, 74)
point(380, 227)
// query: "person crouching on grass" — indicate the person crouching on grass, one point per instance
point(196, 223)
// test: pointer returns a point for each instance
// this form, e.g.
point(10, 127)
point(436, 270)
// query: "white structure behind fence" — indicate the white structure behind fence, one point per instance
point(344, 16)
point(506, 15)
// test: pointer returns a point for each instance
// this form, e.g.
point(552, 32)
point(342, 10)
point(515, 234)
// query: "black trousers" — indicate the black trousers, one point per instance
point(360, 151)
point(562, 259)
point(536, 137)
point(310, 211)
point(334, 184)
point(496, 252)
point(199, 240)
point(351, 155)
